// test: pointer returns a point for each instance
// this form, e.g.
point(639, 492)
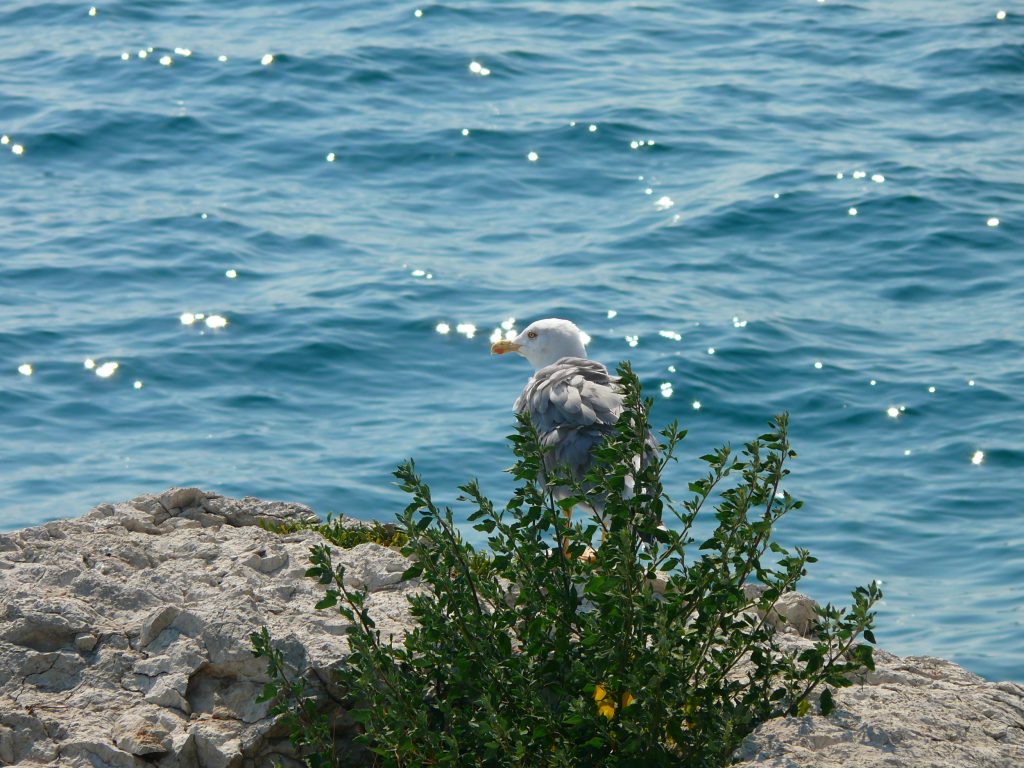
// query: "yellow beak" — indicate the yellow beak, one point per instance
point(503, 346)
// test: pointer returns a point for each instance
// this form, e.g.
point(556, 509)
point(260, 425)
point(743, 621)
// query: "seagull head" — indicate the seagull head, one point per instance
point(545, 342)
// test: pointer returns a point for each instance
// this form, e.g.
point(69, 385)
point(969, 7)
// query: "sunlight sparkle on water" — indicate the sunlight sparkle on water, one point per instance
point(906, 452)
point(592, 128)
point(711, 350)
point(166, 61)
point(663, 203)
point(467, 329)
point(216, 321)
point(267, 60)
point(978, 457)
point(612, 313)
point(5, 139)
point(137, 384)
point(839, 175)
point(817, 364)
point(17, 149)
point(666, 389)
point(878, 178)
point(442, 328)
point(183, 51)
point(737, 323)
point(533, 157)
point(970, 382)
point(89, 364)
point(418, 13)
point(1001, 15)
point(143, 53)
point(673, 335)
point(465, 131)
point(931, 390)
point(106, 370)
point(25, 369)
point(222, 58)
point(859, 174)
point(478, 69)
point(187, 318)
point(331, 157)
point(892, 412)
point(696, 405)
point(495, 336)
point(92, 11)
point(993, 222)
point(125, 56)
point(508, 324)
point(872, 382)
point(632, 340)
point(231, 274)
point(852, 211)
point(671, 369)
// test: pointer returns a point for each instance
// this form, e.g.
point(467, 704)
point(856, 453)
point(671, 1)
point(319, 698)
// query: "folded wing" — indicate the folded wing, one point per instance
point(573, 403)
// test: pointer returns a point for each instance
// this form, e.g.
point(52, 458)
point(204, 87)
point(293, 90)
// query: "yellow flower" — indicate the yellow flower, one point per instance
point(606, 708)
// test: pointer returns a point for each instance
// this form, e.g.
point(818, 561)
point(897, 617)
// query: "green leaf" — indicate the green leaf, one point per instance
point(328, 601)
point(826, 702)
point(269, 693)
point(360, 715)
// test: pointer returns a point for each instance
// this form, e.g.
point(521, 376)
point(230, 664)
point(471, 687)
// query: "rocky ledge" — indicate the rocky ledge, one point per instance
point(124, 642)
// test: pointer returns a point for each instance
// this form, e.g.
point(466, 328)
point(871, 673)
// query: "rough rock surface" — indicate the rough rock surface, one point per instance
point(124, 642)
point(911, 712)
point(124, 635)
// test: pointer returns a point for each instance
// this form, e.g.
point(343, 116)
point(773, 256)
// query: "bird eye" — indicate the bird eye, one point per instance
point(531, 335)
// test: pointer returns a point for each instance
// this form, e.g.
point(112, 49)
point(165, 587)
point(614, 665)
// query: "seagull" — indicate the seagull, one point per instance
point(572, 401)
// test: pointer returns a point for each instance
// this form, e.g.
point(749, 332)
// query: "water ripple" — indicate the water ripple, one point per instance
point(651, 171)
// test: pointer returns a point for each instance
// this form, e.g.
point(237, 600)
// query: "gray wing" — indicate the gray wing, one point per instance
point(573, 404)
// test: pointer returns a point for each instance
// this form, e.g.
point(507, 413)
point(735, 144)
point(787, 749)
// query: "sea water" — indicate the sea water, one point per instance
point(261, 248)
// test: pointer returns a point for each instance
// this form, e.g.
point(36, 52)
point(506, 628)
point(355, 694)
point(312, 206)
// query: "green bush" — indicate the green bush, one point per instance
point(529, 657)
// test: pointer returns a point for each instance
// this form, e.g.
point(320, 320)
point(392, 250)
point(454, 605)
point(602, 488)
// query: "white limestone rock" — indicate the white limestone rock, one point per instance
point(124, 635)
point(124, 641)
point(145, 731)
point(912, 712)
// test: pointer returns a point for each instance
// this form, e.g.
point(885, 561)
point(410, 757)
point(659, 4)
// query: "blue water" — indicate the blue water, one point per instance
point(685, 180)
